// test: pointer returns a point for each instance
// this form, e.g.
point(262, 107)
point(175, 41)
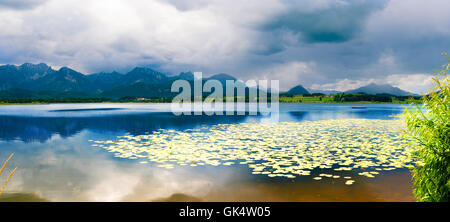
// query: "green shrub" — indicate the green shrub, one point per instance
point(429, 126)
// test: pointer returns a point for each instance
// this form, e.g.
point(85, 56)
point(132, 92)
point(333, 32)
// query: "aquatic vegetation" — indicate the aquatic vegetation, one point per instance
point(286, 149)
point(10, 175)
point(429, 125)
point(349, 182)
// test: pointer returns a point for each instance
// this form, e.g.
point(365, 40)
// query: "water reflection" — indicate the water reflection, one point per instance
point(57, 163)
point(59, 171)
point(40, 128)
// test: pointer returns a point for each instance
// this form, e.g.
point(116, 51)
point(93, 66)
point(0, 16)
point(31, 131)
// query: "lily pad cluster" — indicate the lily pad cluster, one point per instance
point(285, 149)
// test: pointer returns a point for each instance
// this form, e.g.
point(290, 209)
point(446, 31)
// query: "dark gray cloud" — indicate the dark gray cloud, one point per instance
point(305, 42)
point(273, 42)
point(335, 23)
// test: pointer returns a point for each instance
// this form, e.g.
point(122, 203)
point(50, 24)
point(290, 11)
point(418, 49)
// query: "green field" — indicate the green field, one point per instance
point(350, 98)
point(347, 98)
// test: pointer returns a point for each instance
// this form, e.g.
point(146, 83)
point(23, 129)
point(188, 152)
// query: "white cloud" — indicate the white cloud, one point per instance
point(223, 36)
point(20, 4)
point(289, 74)
point(342, 85)
point(413, 16)
point(415, 83)
point(85, 34)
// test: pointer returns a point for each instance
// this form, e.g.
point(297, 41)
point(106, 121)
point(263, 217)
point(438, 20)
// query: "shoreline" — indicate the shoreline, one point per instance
point(359, 102)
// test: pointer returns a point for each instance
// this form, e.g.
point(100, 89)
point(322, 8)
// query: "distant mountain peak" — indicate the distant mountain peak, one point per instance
point(143, 74)
point(142, 69)
point(66, 69)
point(33, 69)
point(186, 75)
point(222, 76)
point(298, 90)
point(31, 65)
point(374, 88)
point(379, 84)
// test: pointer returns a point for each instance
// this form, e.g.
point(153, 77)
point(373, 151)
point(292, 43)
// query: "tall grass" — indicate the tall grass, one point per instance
point(10, 175)
point(430, 127)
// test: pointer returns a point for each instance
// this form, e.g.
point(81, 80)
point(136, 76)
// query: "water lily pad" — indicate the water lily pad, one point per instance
point(285, 149)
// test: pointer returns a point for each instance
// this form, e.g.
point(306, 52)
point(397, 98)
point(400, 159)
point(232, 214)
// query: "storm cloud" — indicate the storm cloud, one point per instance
point(339, 21)
point(323, 44)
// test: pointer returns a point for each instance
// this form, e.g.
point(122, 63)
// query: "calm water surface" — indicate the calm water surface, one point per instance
point(56, 161)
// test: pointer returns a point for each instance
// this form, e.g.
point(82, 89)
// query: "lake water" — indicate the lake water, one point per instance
point(57, 159)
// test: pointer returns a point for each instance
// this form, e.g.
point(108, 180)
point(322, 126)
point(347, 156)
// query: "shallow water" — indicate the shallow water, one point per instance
point(57, 162)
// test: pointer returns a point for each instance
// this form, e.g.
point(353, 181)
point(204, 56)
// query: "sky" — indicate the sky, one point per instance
point(321, 44)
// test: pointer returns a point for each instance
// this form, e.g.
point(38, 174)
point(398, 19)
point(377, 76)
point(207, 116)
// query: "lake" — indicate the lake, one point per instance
point(142, 152)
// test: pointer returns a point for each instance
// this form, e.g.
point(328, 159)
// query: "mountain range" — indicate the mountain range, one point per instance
point(326, 92)
point(42, 81)
point(371, 89)
point(379, 89)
